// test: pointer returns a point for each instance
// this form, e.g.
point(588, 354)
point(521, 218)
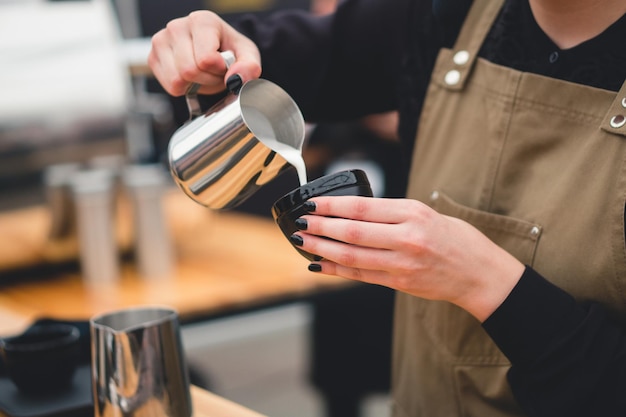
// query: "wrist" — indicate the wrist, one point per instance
point(491, 286)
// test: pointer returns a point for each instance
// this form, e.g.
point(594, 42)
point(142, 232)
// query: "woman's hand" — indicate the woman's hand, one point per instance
point(405, 245)
point(187, 51)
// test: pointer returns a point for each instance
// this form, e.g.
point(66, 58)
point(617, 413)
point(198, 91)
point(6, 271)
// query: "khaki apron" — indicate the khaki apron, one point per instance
point(536, 164)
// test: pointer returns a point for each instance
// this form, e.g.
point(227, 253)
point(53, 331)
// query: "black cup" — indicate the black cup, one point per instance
point(291, 206)
point(43, 359)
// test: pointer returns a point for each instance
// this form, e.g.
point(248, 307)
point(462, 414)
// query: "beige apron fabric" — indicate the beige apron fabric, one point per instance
point(537, 165)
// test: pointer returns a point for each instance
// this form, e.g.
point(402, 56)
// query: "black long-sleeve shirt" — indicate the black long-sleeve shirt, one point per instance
point(568, 359)
point(377, 55)
point(373, 55)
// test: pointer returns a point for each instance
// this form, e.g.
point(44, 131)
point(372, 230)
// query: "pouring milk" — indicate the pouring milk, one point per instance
point(264, 131)
point(204, 154)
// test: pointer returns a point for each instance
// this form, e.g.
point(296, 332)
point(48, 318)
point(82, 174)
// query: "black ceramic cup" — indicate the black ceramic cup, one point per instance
point(43, 359)
point(290, 207)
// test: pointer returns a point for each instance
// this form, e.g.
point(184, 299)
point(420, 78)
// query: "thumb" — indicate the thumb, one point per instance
point(247, 62)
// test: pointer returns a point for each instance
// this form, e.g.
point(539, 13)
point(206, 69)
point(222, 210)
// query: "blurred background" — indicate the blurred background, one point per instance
point(75, 92)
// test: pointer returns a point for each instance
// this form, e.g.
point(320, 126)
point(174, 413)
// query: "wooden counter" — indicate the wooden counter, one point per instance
point(225, 261)
point(206, 404)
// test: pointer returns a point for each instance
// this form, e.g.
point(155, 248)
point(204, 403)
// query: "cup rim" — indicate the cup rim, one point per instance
point(319, 186)
point(103, 320)
point(69, 334)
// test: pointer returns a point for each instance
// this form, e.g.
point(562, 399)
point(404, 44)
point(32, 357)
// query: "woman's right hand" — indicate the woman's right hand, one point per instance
point(188, 51)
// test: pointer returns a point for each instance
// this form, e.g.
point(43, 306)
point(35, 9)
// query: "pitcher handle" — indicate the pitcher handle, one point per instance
point(191, 95)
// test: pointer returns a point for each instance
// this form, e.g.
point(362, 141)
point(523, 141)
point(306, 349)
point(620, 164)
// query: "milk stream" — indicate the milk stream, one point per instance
point(264, 131)
point(289, 154)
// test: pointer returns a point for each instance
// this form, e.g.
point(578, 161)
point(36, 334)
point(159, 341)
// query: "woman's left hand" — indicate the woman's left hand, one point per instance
point(406, 245)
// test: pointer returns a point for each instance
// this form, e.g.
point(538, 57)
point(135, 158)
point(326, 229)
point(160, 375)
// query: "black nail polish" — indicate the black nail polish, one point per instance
point(301, 224)
point(315, 267)
point(234, 83)
point(317, 258)
point(309, 206)
point(296, 240)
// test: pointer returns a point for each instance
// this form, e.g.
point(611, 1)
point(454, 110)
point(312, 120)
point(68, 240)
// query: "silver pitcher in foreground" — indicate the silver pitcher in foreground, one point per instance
point(223, 156)
point(138, 364)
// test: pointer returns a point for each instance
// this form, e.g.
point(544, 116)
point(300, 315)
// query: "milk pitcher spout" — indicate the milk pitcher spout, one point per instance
point(223, 156)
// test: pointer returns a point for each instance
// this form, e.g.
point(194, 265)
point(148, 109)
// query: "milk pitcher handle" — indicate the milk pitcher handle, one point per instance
point(191, 95)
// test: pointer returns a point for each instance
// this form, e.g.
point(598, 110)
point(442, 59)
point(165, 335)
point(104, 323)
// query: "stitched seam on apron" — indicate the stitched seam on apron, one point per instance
point(481, 360)
point(489, 191)
point(619, 251)
point(495, 221)
point(560, 111)
point(486, 86)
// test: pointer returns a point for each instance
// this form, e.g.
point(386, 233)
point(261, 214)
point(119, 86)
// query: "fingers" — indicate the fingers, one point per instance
point(374, 210)
point(350, 261)
point(368, 233)
point(187, 51)
point(174, 64)
point(247, 65)
point(372, 222)
point(162, 63)
point(211, 34)
point(247, 57)
point(362, 233)
point(369, 265)
point(204, 42)
point(367, 276)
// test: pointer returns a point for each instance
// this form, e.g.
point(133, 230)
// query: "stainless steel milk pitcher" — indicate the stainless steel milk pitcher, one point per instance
point(223, 156)
point(138, 364)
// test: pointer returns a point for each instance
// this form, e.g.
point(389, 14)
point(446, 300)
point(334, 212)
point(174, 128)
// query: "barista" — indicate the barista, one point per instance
point(516, 175)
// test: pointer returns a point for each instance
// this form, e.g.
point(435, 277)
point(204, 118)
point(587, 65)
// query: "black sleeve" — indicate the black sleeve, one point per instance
point(568, 360)
point(336, 67)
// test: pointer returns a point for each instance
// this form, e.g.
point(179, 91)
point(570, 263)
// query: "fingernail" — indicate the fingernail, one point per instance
point(315, 267)
point(301, 224)
point(309, 206)
point(296, 240)
point(317, 258)
point(234, 83)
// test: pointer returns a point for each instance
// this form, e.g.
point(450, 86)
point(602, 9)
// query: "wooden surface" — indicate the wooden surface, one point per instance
point(206, 404)
point(225, 261)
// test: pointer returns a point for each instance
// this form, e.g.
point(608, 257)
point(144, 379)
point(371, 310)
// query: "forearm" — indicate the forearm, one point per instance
point(566, 360)
point(336, 67)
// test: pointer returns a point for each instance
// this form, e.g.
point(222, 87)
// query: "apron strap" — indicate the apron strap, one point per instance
point(477, 24)
point(475, 28)
point(615, 119)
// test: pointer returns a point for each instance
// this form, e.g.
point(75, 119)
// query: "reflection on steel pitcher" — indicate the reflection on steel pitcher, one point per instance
point(138, 364)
